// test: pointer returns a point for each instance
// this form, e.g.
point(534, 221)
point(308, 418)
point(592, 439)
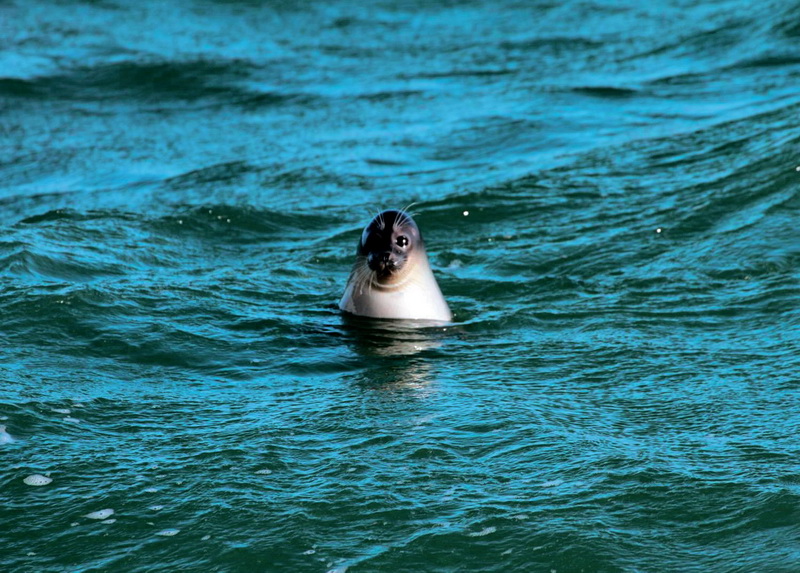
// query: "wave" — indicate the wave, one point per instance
point(229, 83)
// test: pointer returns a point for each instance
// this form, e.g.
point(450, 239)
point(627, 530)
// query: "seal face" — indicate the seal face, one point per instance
point(391, 277)
point(387, 243)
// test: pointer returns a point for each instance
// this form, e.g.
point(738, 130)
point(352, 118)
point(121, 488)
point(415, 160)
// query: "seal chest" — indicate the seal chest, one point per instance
point(392, 277)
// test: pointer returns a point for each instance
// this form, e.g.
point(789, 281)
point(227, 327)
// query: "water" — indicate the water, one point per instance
point(610, 198)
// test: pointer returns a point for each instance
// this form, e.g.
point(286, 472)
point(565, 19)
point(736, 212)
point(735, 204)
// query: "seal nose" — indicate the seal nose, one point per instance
point(380, 261)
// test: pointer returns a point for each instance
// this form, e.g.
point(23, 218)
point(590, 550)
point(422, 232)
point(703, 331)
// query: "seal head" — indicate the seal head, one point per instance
point(391, 277)
point(387, 243)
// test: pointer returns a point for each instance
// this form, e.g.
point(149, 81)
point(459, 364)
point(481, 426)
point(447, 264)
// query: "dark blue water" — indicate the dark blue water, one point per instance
point(609, 194)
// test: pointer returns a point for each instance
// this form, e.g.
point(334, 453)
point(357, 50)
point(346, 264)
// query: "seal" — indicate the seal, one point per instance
point(392, 277)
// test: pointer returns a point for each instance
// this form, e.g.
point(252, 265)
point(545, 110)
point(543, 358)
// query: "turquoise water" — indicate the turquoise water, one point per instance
point(609, 194)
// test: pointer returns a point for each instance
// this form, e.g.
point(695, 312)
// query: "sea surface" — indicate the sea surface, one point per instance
point(610, 195)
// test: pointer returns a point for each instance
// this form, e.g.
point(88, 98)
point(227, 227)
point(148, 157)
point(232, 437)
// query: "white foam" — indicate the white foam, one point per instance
point(205, 538)
point(553, 483)
point(168, 532)
point(62, 410)
point(72, 420)
point(264, 472)
point(102, 514)
point(109, 521)
point(482, 532)
point(156, 507)
point(5, 437)
point(37, 480)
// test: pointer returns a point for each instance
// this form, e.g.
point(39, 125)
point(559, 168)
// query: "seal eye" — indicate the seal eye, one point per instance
point(402, 241)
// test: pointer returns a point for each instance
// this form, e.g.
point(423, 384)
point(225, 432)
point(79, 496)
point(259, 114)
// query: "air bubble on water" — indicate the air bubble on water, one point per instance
point(37, 480)
point(102, 514)
point(482, 532)
point(109, 521)
point(309, 552)
point(168, 532)
point(466, 213)
point(658, 230)
point(264, 472)
point(156, 507)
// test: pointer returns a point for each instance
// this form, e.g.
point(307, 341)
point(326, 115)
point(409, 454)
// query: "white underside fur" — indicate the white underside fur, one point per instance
point(419, 297)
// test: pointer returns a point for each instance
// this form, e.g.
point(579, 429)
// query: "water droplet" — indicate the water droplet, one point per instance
point(102, 514)
point(658, 230)
point(37, 480)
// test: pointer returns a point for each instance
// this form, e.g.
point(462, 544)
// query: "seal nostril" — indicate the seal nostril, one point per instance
point(385, 257)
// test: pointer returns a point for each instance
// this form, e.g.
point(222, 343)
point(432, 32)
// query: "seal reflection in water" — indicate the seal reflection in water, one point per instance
point(392, 277)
